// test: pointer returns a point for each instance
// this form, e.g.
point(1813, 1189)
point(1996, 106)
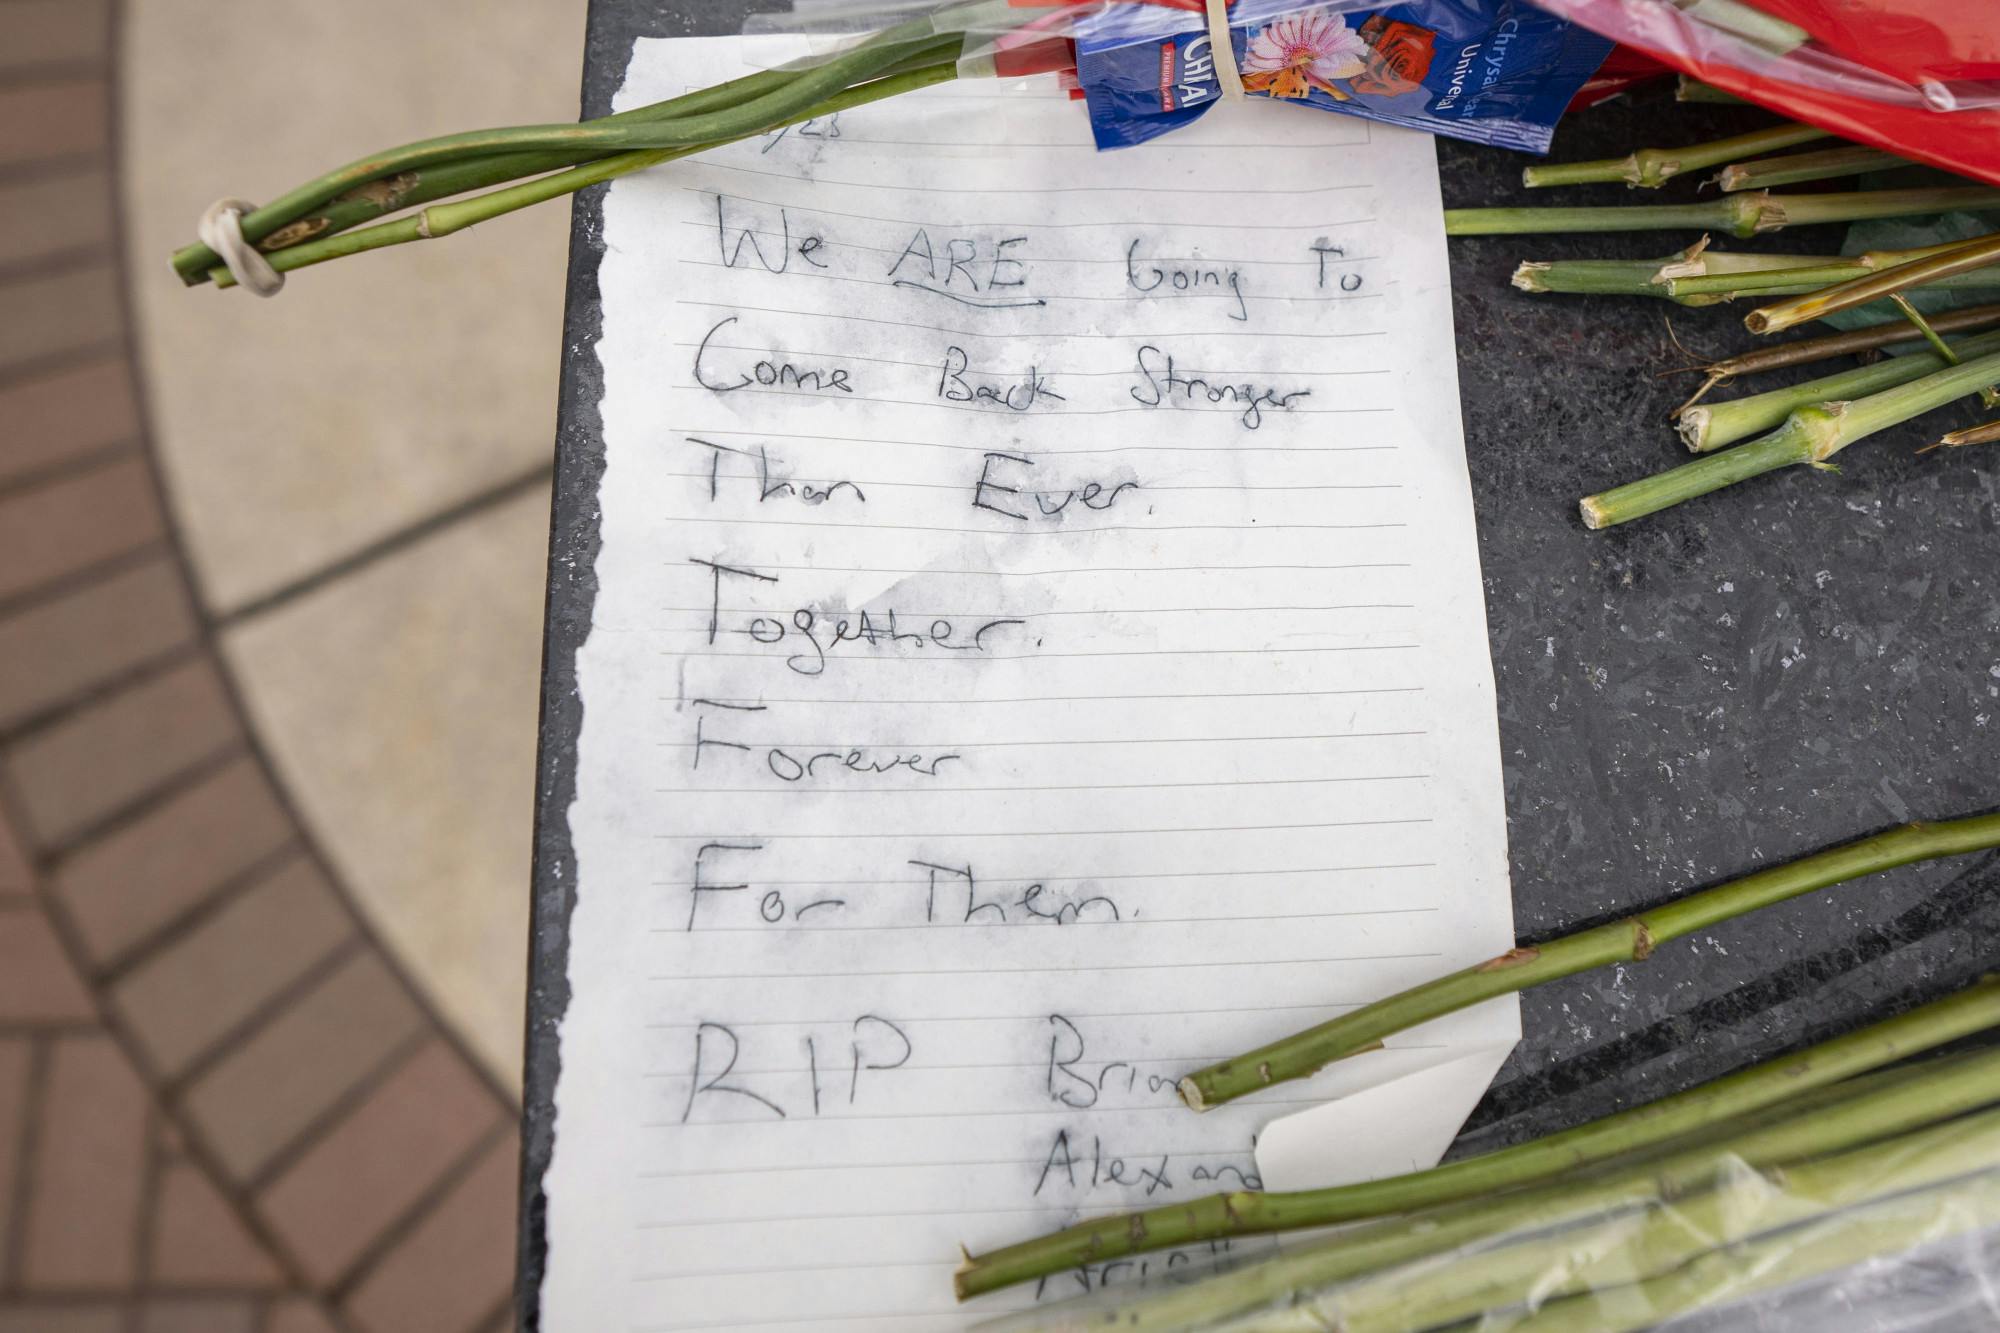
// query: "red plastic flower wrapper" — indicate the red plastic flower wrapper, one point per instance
point(1917, 77)
point(1623, 70)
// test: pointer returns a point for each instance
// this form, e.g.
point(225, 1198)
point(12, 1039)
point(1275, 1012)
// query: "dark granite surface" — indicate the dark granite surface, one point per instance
point(1799, 661)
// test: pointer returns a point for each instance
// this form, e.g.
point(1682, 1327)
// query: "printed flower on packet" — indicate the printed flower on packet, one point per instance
point(1399, 55)
point(1301, 52)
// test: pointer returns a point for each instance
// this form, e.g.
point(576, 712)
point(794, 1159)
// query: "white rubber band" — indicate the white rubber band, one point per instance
point(221, 230)
point(1223, 51)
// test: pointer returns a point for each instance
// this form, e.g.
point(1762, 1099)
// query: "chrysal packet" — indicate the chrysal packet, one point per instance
point(1492, 71)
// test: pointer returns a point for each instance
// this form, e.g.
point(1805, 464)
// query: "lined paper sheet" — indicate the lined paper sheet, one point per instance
point(1038, 649)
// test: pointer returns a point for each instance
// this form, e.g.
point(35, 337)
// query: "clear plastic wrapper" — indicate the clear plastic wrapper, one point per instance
point(1889, 1235)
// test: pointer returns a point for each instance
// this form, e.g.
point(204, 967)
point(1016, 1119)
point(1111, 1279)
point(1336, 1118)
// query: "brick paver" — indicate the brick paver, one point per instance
point(221, 1108)
point(64, 415)
point(57, 313)
point(367, 1173)
point(184, 999)
point(16, 880)
point(457, 1265)
point(43, 33)
point(65, 526)
point(108, 755)
point(37, 984)
point(87, 1173)
point(47, 216)
point(260, 1099)
point(56, 120)
point(18, 1059)
point(199, 1242)
point(149, 874)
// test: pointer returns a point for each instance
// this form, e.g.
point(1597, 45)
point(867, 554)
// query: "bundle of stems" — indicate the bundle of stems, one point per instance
point(1660, 1256)
point(1249, 1213)
point(440, 220)
point(1708, 277)
point(1811, 1121)
point(317, 220)
point(1730, 1274)
point(1810, 435)
point(1938, 264)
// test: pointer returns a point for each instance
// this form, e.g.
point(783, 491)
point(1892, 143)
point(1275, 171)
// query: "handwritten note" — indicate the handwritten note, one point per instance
point(1038, 649)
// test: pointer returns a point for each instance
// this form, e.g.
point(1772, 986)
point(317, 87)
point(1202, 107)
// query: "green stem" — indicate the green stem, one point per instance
point(1711, 426)
point(1805, 437)
point(1915, 318)
point(1877, 1231)
point(379, 198)
point(1648, 277)
point(1766, 172)
point(1744, 214)
point(1653, 167)
point(1647, 1242)
point(1250, 1213)
point(409, 189)
point(1630, 940)
point(802, 88)
point(1809, 435)
point(441, 220)
point(1890, 1103)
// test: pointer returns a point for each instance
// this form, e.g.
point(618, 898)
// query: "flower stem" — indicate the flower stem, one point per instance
point(1810, 435)
point(1249, 1213)
point(380, 198)
point(1984, 434)
point(1828, 1121)
point(1953, 260)
point(708, 123)
point(441, 220)
point(1805, 351)
point(1763, 281)
point(1647, 277)
point(1653, 167)
point(1744, 214)
point(408, 189)
point(1915, 318)
point(1630, 940)
point(1711, 426)
point(1766, 172)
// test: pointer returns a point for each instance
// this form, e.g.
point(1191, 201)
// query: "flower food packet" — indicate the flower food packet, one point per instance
point(1492, 71)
